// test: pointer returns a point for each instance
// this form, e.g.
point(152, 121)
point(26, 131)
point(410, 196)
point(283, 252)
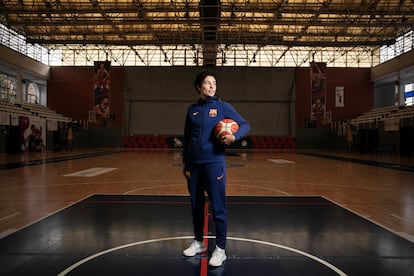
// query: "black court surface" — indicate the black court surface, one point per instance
point(145, 235)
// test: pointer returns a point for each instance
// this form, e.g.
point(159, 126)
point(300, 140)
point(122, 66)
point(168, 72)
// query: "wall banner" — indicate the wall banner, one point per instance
point(318, 91)
point(102, 80)
point(32, 133)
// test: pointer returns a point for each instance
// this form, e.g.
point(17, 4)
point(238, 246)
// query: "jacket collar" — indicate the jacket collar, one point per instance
point(210, 99)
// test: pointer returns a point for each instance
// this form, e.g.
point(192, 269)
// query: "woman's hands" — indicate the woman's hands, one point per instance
point(228, 139)
point(186, 173)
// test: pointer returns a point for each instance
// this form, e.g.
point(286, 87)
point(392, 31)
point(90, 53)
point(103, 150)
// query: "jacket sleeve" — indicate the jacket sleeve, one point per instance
point(244, 126)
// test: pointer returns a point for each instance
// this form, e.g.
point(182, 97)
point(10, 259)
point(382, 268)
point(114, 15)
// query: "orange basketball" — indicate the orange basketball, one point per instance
point(226, 127)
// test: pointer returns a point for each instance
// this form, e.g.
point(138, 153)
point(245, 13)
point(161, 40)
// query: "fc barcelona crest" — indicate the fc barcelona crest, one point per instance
point(213, 112)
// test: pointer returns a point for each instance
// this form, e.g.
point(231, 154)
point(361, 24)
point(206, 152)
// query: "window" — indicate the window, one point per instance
point(32, 93)
point(8, 88)
point(409, 94)
point(403, 44)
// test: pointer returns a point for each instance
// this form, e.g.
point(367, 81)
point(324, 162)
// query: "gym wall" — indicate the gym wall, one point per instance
point(150, 101)
point(156, 99)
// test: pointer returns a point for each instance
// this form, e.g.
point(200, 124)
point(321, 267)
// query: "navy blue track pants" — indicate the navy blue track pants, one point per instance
point(209, 177)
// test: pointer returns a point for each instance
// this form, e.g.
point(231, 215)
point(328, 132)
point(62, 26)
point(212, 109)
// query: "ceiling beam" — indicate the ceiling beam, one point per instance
point(212, 43)
point(210, 13)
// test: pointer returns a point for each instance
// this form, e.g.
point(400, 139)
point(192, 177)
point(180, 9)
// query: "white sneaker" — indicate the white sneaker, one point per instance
point(218, 257)
point(194, 248)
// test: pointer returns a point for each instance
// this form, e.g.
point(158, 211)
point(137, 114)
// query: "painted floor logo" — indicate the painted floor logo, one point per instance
point(91, 172)
point(280, 161)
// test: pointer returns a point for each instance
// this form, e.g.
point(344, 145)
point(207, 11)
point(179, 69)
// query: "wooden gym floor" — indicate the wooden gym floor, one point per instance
point(376, 189)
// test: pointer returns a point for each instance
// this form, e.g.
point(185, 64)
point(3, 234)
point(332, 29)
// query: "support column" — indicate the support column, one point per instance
point(20, 86)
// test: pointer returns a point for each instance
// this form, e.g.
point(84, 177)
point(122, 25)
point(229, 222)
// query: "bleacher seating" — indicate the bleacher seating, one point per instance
point(30, 109)
point(404, 112)
point(44, 112)
point(6, 106)
point(376, 116)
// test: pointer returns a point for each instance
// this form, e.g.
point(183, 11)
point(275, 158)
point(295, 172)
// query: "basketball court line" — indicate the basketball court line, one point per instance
point(385, 165)
point(7, 232)
point(406, 236)
point(203, 272)
point(229, 184)
point(16, 165)
point(14, 230)
point(10, 216)
point(368, 218)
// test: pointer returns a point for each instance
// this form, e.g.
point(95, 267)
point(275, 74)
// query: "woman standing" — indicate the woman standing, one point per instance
point(205, 165)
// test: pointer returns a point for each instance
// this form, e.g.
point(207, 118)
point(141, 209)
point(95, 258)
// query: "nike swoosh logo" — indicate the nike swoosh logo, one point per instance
point(220, 177)
point(195, 113)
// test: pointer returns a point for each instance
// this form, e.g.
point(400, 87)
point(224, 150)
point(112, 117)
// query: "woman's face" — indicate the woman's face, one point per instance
point(208, 87)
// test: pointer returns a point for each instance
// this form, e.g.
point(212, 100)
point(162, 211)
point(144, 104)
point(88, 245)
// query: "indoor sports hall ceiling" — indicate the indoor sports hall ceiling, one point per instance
point(210, 23)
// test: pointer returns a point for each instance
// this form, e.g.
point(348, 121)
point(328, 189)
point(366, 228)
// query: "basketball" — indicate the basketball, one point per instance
point(226, 127)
